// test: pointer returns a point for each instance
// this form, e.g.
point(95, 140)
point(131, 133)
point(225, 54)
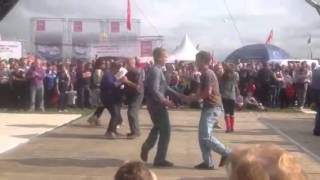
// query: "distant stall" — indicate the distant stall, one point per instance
point(10, 49)
point(288, 61)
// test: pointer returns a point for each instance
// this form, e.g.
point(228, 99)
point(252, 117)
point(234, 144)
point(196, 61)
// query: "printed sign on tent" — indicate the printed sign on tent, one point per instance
point(77, 26)
point(115, 27)
point(41, 25)
point(49, 52)
point(146, 48)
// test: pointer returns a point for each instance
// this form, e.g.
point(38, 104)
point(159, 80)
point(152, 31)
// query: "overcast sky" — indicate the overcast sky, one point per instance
point(206, 21)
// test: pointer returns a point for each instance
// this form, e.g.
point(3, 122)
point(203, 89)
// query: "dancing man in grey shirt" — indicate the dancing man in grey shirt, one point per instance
point(155, 89)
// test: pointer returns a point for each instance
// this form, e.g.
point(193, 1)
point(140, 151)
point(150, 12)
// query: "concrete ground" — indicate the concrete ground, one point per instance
point(16, 129)
point(77, 151)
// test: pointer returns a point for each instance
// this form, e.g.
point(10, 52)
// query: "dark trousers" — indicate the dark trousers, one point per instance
point(309, 96)
point(134, 104)
point(265, 95)
point(84, 94)
point(48, 94)
point(4, 95)
point(228, 106)
point(62, 99)
point(20, 94)
point(316, 130)
point(98, 111)
point(284, 99)
point(161, 127)
point(115, 113)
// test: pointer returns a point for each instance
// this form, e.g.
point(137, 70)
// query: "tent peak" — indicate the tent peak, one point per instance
point(185, 51)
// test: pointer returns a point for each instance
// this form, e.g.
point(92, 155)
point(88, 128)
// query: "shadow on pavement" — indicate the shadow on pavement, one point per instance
point(32, 125)
point(262, 132)
point(205, 178)
point(81, 136)
point(63, 162)
point(172, 126)
point(86, 126)
point(73, 136)
point(26, 136)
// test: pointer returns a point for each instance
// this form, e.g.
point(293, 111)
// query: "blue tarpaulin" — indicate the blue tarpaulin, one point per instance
point(257, 52)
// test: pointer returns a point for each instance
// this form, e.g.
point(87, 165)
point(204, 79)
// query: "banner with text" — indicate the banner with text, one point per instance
point(146, 48)
point(10, 49)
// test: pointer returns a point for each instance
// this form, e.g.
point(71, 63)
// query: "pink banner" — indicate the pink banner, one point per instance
point(41, 25)
point(77, 26)
point(146, 48)
point(115, 27)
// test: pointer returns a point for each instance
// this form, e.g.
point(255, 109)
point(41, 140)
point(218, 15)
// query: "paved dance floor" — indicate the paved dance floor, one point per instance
point(77, 151)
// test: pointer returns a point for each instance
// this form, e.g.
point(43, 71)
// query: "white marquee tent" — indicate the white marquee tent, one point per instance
point(184, 52)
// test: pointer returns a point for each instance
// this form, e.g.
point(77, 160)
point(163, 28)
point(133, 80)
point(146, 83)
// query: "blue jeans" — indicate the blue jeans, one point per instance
point(302, 93)
point(36, 97)
point(275, 96)
point(209, 116)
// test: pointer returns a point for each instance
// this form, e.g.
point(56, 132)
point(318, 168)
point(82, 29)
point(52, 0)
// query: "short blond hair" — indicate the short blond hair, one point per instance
point(157, 53)
point(134, 171)
point(263, 162)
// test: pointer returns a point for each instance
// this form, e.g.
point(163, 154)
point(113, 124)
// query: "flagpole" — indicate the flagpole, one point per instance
point(310, 47)
point(310, 52)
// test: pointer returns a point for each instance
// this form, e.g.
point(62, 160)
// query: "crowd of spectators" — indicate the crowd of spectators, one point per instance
point(259, 85)
point(33, 83)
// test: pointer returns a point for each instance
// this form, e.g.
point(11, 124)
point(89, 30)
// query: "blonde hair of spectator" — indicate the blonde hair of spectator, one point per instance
point(263, 162)
point(134, 171)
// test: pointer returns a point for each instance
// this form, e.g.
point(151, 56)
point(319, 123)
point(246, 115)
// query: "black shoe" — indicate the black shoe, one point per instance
point(144, 153)
point(119, 135)
point(110, 135)
point(316, 134)
point(132, 136)
point(163, 164)
point(223, 161)
point(93, 120)
point(217, 126)
point(204, 166)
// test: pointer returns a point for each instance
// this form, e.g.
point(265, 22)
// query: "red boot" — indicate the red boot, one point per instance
point(228, 123)
point(231, 123)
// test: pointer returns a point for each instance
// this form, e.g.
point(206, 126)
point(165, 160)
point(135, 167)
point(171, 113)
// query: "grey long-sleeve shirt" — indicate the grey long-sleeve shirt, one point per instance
point(156, 85)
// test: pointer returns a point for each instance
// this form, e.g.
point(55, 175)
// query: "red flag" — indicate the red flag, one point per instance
point(129, 16)
point(77, 26)
point(270, 37)
point(115, 27)
point(41, 25)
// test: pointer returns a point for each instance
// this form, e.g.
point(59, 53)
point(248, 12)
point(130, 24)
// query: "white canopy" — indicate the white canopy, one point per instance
point(184, 52)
